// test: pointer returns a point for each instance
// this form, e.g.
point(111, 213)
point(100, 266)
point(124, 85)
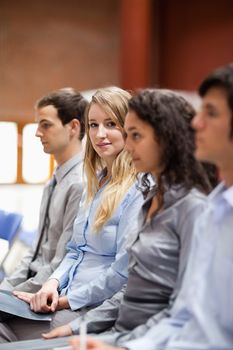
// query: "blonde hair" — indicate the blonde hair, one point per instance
point(114, 101)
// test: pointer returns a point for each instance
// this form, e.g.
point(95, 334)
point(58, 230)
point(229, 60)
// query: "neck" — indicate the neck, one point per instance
point(109, 169)
point(67, 154)
point(227, 176)
point(103, 180)
point(225, 166)
point(156, 175)
point(106, 177)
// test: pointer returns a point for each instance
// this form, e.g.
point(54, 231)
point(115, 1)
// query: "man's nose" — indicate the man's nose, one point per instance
point(38, 133)
point(198, 121)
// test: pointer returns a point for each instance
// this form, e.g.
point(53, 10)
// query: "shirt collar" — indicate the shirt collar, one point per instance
point(228, 195)
point(171, 195)
point(63, 169)
point(222, 193)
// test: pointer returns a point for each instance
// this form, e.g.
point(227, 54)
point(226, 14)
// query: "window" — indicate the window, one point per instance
point(8, 152)
point(22, 159)
point(36, 164)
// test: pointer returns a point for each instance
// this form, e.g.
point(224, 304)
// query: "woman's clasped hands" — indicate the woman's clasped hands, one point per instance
point(46, 299)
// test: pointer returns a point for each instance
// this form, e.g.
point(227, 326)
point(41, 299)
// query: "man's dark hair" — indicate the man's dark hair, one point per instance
point(69, 103)
point(170, 115)
point(222, 78)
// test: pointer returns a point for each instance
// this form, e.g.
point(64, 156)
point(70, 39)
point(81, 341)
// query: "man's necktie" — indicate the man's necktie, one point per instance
point(46, 223)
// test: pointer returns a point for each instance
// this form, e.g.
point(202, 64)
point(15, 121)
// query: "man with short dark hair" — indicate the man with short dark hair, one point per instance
point(60, 118)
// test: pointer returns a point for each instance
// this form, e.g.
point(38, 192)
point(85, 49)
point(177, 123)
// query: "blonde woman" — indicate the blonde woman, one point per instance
point(95, 266)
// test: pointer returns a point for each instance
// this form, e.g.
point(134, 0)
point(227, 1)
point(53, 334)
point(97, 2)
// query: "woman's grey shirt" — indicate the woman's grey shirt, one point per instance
point(157, 259)
point(158, 256)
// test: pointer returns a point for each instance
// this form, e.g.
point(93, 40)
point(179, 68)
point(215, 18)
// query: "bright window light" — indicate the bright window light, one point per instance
point(8, 153)
point(36, 163)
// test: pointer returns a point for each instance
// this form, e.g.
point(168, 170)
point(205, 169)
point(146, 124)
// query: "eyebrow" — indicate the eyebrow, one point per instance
point(209, 105)
point(44, 120)
point(94, 120)
point(131, 128)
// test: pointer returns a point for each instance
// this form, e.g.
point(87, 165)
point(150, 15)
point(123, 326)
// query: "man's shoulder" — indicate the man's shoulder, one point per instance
point(75, 175)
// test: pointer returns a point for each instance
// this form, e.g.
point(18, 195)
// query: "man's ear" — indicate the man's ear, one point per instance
point(75, 126)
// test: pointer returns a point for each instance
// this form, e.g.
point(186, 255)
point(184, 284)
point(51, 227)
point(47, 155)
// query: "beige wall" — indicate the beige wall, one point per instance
point(49, 44)
point(195, 37)
point(86, 44)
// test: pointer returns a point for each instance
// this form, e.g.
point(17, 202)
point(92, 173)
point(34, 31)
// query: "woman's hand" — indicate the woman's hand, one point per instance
point(25, 296)
point(46, 299)
point(63, 303)
point(92, 344)
point(62, 331)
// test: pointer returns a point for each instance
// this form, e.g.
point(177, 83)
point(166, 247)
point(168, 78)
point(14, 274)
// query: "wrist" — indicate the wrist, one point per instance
point(52, 282)
point(63, 303)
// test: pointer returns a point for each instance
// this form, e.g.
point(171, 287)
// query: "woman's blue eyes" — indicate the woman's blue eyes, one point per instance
point(92, 125)
point(109, 125)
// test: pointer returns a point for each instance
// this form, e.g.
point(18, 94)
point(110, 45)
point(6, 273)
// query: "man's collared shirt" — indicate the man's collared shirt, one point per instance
point(62, 212)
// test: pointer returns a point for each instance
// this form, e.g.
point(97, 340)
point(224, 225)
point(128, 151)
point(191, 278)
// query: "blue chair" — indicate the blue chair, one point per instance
point(18, 249)
point(9, 225)
point(27, 237)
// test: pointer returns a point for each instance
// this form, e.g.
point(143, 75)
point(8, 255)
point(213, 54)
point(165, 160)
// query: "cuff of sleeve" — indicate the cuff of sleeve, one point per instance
point(138, 344)
point(77, 301)
point(74, 325)
point(61, 281)
point(54, 278)
point(55, 275)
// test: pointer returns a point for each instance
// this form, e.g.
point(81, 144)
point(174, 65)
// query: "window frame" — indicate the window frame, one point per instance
point(19, 168)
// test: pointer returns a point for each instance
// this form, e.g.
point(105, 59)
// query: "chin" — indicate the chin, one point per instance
point(47, 151)
point(140, 170)
point(201, 156)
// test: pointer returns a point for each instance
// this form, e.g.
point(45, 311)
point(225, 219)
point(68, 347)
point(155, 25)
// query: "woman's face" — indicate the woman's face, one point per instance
point(106, 137)
point(141, 144)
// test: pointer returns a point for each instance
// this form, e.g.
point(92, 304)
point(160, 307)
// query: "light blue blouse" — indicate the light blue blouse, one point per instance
point(95, 266)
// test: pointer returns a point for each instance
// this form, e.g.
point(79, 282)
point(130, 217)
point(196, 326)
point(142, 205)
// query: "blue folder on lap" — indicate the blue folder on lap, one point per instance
point(36, 344)
point(11, 306)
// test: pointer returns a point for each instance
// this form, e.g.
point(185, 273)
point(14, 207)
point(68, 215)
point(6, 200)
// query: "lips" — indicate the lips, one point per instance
point(103, 144)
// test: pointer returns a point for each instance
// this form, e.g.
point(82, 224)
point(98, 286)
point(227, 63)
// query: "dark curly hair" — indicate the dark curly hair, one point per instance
point(170, 116)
